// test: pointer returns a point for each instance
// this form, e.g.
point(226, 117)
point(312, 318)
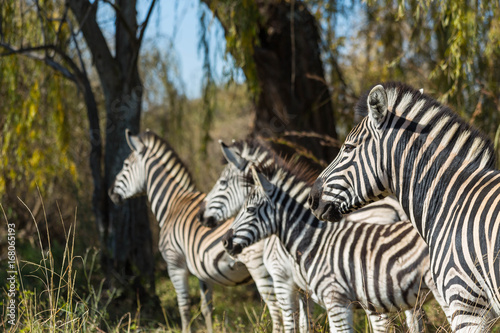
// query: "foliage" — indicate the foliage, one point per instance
point(450, 48)
point(35, 113)
point(170, 114)
point(49, 288)
point(241, 20)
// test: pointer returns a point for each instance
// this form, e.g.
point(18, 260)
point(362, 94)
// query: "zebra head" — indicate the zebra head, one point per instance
point(253, 223)
point(355, 177)
point(131, 180)
point(229, 193)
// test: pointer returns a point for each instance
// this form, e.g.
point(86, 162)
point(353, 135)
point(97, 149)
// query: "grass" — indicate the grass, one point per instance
point(59, 290)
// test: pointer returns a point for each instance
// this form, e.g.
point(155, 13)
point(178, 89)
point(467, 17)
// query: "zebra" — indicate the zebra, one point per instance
point(154, 168)
point(442, 171)
point(230, 191)
point(380, 267)
point(225, 200)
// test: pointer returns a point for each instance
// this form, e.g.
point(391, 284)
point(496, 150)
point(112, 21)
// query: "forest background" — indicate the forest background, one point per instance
point(74, 74)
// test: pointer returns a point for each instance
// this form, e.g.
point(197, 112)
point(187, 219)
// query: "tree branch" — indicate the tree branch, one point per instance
point(85, 13)
point(122, 19)
point(29, 53)
point(11, 50)
point(145, 23)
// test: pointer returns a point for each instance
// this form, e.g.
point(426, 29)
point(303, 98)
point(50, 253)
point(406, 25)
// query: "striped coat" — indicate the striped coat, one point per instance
point(227, 197)
point(381, 267)
point(187, 246)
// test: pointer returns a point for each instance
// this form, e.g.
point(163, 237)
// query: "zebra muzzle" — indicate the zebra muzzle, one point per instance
point(315, 194)
point(227, 242)
point(115, 197)
point(329, 211)
point(205, 221)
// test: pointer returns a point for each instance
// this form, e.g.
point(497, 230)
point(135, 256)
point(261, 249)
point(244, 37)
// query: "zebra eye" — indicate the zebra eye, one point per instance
point(223, 182)
point(348, 148)
point(251, 210)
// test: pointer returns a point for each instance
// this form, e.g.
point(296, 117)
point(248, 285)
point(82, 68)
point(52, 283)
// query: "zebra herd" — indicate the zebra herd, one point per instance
point(409, 207)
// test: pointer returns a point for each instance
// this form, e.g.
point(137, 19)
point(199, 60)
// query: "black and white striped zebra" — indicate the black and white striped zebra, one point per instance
point(380, 267)
point(230, 191)
point(442, 172)
point(225, 200)
point(153, 168)
point(228, 196)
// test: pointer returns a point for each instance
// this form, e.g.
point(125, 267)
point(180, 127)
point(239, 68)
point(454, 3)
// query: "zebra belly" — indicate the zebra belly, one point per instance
point(212, 265)
point(216, 266)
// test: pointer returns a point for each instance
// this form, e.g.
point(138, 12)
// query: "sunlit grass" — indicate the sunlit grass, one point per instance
point(63, 291)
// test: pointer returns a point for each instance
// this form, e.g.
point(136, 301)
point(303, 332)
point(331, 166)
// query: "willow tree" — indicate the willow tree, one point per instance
point(277, 44)
point(449, 47)
point(69, 29)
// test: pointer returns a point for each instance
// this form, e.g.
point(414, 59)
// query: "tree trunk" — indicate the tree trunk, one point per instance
point(293, 94)
point(128, 255)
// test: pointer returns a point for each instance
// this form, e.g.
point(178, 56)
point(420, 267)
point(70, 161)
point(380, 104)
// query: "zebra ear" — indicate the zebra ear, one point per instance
point(262, 181)
point(377, 104)
point(133, 141)
point(232, 155)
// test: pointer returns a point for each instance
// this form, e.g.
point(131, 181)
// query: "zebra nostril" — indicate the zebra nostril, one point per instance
point(201, 212)
point(314, 195)
point(227, 243)
point(313, 200)
point(227, 240)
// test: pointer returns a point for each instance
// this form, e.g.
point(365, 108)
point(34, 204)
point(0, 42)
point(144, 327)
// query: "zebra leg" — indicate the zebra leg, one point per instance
point(378, 321)
point(306, 312)
point(265, 285)
point(340, 318)
point(287, 298)
point(429, 281)
point(179, 278)
point(414, 320)
point(469, 319)
point(206, 304)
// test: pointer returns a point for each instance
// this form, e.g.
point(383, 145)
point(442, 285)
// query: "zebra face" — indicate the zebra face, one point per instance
point(131, 180)
point(225, 199)
point(253, 222)
point(229, 193)
point(355, 177)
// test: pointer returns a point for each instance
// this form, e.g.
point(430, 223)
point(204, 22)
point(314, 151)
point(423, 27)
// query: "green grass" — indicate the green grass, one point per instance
point(60, 290)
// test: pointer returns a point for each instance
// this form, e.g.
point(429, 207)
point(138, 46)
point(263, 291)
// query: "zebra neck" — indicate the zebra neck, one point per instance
point(167, 180)
point(296, 226)
point(429, 181)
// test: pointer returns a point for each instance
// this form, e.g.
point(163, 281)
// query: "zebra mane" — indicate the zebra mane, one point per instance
point(158, 146)
point(402, 98)
point(252, 146)
point(281, 168)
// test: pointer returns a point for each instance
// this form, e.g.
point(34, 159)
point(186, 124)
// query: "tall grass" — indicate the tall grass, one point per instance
point(48, 298)
point(63, 291)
